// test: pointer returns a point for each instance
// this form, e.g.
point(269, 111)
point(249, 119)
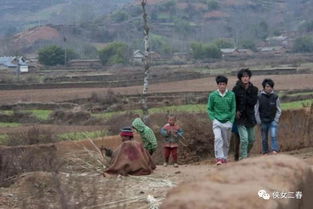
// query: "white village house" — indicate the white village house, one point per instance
point(13, 62)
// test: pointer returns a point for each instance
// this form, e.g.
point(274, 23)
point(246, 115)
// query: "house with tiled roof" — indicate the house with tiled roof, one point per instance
point(12, 62)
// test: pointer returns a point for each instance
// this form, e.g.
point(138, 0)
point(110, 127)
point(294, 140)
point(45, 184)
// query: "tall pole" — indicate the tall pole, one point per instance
point(146, 62)
point(65, 52)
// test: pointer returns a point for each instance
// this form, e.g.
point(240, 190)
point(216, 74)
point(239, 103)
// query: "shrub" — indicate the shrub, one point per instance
point(212, 5)
point(248, 44)
point(202, 51)
point(55, 55)
point(34, 135)
point(114, 53)
point(303, 44)
point(221, 43)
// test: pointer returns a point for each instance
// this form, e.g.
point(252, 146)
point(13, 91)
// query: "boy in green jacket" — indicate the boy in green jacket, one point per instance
point(221, 110)
point(147, 135)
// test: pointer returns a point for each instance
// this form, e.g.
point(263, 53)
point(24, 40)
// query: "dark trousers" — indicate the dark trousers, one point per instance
point(168, 151)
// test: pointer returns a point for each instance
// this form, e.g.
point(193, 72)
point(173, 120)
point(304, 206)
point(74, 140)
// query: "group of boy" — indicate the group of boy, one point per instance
point(240, 110)
point(237, 110)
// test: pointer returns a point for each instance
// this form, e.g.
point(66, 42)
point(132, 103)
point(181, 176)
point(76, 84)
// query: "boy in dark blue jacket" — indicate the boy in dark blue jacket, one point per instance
point(268, 112)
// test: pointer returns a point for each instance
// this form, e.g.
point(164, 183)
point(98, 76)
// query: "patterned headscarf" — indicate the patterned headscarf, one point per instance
point(126, 131)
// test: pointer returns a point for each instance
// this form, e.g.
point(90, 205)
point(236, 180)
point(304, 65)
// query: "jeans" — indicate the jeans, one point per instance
point(267, 128)
point(247, 138)
point(222, 133)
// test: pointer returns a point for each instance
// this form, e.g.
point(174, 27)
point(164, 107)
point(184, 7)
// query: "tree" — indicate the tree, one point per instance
point(222, 43)
point(212, 51)
point(303, 44)
point(248, 44)
point(261, 30)
point(146, 61)
point(204, 51)
point(55, 55)
point(114, 53)
point(160, 44)
point(197, 50)
point(120, 16)
point(183, 27)
point(212, 5)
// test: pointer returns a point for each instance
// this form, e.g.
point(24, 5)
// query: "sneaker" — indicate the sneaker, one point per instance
point(274, 152)
point(175, 165)
point(224, 161)
point(218, 162)
point(164, 164)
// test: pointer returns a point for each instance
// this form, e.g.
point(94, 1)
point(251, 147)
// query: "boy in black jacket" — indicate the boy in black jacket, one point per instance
point(268, 112)
point(246, 97)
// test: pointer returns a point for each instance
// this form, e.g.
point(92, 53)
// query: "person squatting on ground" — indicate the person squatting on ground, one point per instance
point(171, 132)
point(246, 97)
point(130, 157)
point(147, 135)
point(268, 112)
point(222, 110)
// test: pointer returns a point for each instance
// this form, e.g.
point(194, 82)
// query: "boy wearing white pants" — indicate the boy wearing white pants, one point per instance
point(221, 110)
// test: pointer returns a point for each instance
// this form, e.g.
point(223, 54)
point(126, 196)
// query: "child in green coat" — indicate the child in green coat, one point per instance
point(147, 135)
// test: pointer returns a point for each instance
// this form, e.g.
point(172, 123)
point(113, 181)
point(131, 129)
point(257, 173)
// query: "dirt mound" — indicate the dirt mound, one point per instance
point(35, 34)
point(20, 159)
point(230, 187)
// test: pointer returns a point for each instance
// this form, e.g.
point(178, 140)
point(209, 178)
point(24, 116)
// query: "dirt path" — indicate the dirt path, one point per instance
point(282, 82)
point(92, 190)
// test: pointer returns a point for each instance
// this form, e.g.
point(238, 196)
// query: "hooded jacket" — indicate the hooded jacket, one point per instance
point(267, 108)
point(147, 135)
point(245, 102)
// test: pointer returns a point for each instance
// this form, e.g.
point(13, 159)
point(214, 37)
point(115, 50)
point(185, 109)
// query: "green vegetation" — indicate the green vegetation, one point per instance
point(307, 26)
point(222, 43)
point(196, 108)
point(212, 5)
point(3, 139)
point(82, 135)
point(203, 51)
point(7, 112)
point(40, 114)
point(160, 44)
point(248, 44)
point(55, 55)
point(114, 53)
point(180, 108)
point(303, 44)
point(9, 124)
point(261, 30)
point(297, 104)
point(183, 27)
point(120, 16)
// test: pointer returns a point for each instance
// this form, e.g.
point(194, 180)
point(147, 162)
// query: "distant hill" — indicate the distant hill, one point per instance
point(17, 15)
point(174, 24)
